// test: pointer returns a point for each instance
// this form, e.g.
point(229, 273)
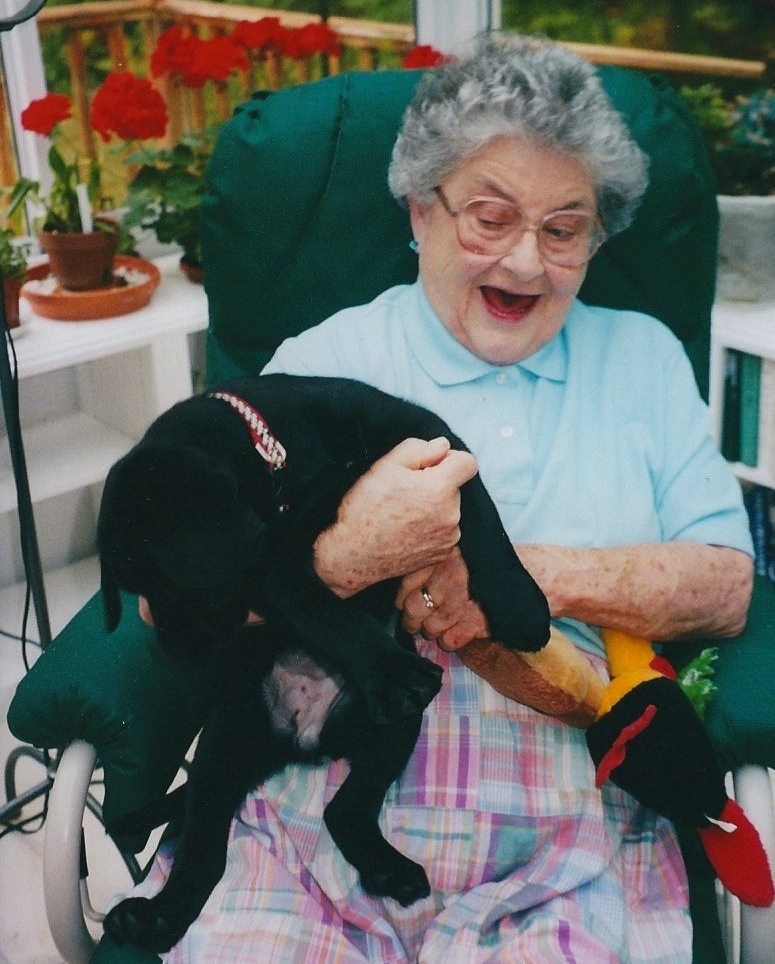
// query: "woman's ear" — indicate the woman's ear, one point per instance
point(418, 217)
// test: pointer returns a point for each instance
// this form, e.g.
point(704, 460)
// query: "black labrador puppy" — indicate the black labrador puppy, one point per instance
point(213, 515)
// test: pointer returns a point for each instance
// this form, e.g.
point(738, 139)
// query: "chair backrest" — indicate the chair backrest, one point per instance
point(298, 221)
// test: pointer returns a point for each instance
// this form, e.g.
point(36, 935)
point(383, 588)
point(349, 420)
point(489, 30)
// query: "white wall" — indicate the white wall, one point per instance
point(446, 24)
point(23, 69)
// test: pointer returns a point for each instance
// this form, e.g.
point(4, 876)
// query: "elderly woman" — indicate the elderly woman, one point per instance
point(515, 169)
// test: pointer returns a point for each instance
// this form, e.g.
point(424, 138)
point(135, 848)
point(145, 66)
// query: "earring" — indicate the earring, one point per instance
point(414, 246)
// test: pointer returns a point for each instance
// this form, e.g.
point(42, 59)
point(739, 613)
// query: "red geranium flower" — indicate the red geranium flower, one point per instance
point(423, 55)
point(264, 34)
point(310, 39)
point(42, 115)
point(214, 59)
point(319, 38)
point(129, 107)
point(195, 60)
point(301, 42)
point(174, 52)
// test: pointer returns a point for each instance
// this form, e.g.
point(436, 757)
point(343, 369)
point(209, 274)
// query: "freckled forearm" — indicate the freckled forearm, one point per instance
point(661, 591)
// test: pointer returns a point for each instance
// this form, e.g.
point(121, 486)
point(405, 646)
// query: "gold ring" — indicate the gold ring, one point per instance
point(429, 603)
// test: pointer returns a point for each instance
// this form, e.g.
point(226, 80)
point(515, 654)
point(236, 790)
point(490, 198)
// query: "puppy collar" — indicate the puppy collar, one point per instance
point(268, 447)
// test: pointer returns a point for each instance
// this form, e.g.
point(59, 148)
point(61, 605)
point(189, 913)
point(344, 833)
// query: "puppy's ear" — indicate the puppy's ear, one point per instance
point(111, 598)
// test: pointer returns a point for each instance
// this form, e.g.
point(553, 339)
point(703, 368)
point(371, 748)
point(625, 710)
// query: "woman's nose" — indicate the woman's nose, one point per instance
point(524, 258)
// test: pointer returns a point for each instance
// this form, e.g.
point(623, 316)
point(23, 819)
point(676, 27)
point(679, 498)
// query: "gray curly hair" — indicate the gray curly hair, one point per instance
point(528, 89)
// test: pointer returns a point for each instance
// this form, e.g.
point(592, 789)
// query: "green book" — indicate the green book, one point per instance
point(750, 385)
point(730, 431)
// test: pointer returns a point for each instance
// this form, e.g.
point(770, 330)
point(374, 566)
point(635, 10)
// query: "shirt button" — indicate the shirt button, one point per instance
point(507, 431)
point(501, 378)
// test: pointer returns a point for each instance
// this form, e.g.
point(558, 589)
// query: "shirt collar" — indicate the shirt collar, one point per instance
point(448, 362)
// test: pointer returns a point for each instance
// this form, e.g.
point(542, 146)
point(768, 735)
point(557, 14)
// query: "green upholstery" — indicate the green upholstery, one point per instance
point(741, 716)
point(298, 222)
point(120, 693)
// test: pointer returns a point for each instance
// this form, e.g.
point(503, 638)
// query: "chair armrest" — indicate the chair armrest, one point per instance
point(741, 717)
point(753, 790)
point(119, 693)
point(62, 854)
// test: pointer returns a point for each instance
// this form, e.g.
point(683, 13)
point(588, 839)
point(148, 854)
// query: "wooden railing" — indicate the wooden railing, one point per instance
point(666, 61)
point(366, 45)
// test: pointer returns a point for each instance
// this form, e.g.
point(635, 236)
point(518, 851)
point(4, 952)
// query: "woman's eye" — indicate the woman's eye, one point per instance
point(494, 217)
point(558, 233)
point(567, 228)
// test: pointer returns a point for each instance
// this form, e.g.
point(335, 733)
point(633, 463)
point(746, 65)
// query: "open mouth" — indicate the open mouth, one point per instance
point(506, 304)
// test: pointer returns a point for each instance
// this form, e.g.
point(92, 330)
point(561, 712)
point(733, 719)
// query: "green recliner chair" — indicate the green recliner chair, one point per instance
point(298, 222)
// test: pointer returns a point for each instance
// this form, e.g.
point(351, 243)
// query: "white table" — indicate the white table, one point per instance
point(88, 390)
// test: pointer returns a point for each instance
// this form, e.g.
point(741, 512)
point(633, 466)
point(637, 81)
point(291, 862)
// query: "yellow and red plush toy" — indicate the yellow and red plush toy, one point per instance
point(644, 734)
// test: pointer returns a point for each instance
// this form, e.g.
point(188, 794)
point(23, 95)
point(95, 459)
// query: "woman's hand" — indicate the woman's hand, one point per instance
point(436, 603)
point(401, 516)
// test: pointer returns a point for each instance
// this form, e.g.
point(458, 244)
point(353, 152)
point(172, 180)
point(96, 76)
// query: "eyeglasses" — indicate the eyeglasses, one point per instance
point(492, 227)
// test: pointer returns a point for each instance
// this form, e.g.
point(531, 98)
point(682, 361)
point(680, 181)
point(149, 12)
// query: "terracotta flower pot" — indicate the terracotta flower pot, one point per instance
point(81, 261)
point(11, 289)
point(193, 270)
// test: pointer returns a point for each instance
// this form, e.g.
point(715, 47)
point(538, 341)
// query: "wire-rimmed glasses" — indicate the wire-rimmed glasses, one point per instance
point(492, 227)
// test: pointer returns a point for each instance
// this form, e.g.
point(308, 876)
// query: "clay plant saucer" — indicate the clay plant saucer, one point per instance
point(134, 281)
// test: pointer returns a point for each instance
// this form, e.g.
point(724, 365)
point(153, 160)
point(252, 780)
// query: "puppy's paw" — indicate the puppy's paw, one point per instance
point(397, 877)
point(402, 686)
point(143, 922)
point(518, 615)
point(521, 635)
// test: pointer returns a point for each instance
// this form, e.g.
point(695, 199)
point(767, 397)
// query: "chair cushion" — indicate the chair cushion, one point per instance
point(118, 692)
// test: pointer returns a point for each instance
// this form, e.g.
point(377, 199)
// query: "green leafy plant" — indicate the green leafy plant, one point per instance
point(13, 256)
point(165, 194)
point(696, 680)
point(13, 250)
point(740, 137)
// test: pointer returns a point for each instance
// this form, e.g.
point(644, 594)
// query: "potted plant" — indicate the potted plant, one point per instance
point(13, 272)
point(13, 256)
point(166, 192)
point(81, 246)
point(740, 137)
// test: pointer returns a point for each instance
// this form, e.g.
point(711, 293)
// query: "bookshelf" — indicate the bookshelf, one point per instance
point(742, 387)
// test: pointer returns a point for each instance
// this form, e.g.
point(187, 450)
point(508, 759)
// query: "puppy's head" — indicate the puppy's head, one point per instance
point(173, 528)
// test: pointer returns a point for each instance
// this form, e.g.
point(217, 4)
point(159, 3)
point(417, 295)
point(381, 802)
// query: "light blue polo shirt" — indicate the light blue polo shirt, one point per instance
point(598, 439)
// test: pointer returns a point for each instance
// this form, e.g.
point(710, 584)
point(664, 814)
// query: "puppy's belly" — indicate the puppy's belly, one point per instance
point(299, 696)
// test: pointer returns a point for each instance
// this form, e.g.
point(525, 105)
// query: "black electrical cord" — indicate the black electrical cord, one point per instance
point(27, 12)
point(9, 384)
point(35, 591)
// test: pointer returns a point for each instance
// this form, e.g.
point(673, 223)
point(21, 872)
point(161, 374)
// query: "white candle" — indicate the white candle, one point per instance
point(84, 208)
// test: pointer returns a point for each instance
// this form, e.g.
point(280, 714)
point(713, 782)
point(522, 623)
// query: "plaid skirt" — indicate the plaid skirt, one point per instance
point(528, 862)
